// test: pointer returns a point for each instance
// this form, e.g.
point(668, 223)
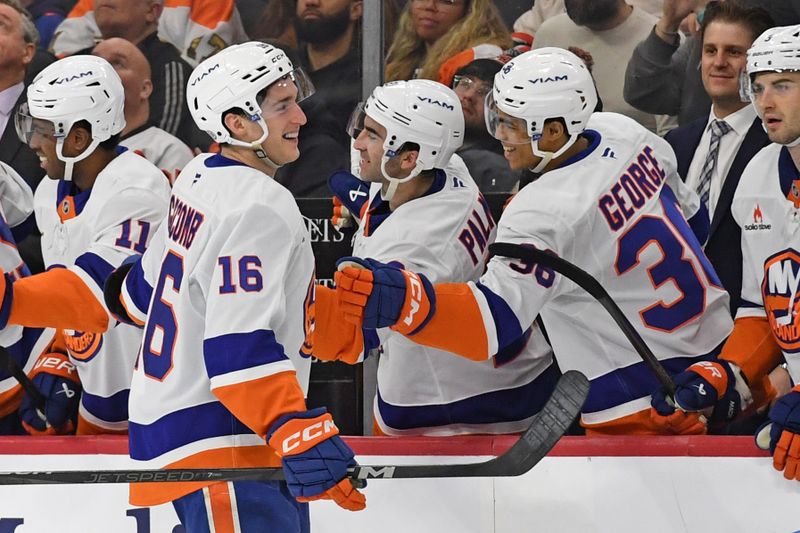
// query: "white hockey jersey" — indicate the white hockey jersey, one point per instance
point(226, 291)
point(91, 232)
point(424, 391)
point(161, 148)
point(612, 211)
point(197, 28)
point(24, 345)
point(766, 206)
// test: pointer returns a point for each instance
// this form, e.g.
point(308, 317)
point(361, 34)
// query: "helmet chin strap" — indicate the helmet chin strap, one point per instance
point(394, 182)
point(549, 156)
point(255, 146)
point(69, 162)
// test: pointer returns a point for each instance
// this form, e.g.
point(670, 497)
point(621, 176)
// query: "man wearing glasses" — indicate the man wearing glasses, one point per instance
point(482, 153)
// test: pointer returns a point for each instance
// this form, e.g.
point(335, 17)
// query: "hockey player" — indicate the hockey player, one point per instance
point(426, 213)
point(767, 208)
point(226, 295)
point(606, 201)
point(96, 208)
point(50, 370)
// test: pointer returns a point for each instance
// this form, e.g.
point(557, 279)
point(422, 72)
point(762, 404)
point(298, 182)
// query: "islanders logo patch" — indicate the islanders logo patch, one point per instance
point(83, 346)
point(781, 300)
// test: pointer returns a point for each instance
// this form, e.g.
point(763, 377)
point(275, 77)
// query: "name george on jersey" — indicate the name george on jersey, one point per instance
point(183, 222)
point(642, 180)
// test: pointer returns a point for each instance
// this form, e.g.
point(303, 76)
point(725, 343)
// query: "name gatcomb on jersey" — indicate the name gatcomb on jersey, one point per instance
point(226, 292)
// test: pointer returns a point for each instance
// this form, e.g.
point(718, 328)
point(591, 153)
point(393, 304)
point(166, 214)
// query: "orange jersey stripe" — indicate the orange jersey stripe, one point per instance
point(57, 298)
point(457, 326)
point(87, 428)
point(259, 402)
point(148, 494)
point(639, 423)
point(10, 400)
point(752, 347)
point(333, 338)
point(219, 501)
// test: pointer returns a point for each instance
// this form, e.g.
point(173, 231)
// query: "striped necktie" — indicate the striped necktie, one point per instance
point(718, 129)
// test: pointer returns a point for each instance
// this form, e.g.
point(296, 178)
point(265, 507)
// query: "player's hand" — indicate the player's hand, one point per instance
point(57, 379)
point(781, 434)
point(315, 459)
point(678, 422)
point(376, 295)
point(715, 388)
point(349, 196)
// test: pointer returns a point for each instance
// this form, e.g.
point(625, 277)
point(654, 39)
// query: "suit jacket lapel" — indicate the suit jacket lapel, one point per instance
point(754, 140)
point(9, 142)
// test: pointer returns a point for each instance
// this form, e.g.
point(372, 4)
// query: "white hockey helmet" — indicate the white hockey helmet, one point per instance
point(423, 112)
point(71, 90)
point(775, 50)
point(235, 78)
point(536, 86)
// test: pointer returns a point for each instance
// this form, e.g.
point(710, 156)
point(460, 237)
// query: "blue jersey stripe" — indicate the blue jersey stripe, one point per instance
point(632, 382)
point(111, 409)
point(21, 350)
point(139, 290)
point(98, 268)
point(237, 351)
point(505, 322)
point(492, 407)
point(179, 428)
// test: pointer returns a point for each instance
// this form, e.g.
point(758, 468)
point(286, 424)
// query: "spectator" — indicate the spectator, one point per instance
point(541, 10)
point(609, 30)
point(431, 31)
point(711, 164)
point(277, 23)
point(19, 62)
point(165, 151)
point(482, 153)
point(47, 15)
point(329, 31)
point(661, 76)
point(197, 28)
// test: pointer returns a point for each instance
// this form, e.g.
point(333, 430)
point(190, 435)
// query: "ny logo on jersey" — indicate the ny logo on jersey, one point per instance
point(779, 290)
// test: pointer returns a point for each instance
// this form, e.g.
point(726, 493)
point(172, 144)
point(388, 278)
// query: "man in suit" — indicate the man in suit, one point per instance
point(19, 62)
point(713, 151)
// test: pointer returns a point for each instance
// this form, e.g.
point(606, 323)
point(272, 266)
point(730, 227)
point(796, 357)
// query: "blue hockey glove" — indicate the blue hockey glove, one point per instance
point(315, 459)
point(781, 434)
point(349, 196)
point(57, 379)
point(377, 295)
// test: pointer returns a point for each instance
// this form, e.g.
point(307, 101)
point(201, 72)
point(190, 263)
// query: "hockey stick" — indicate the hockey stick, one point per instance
point(548, 426)
point(588, 283)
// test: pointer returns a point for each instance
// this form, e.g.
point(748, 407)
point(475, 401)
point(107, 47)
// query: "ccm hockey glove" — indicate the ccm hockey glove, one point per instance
point(781, 434)
point(315, 459)
point(57, 379)
point(378, 295)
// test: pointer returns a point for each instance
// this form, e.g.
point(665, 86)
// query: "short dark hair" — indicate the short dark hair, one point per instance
point(755, 19)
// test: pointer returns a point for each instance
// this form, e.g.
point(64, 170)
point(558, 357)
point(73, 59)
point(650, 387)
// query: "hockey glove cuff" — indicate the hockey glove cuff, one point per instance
point(315, 459)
